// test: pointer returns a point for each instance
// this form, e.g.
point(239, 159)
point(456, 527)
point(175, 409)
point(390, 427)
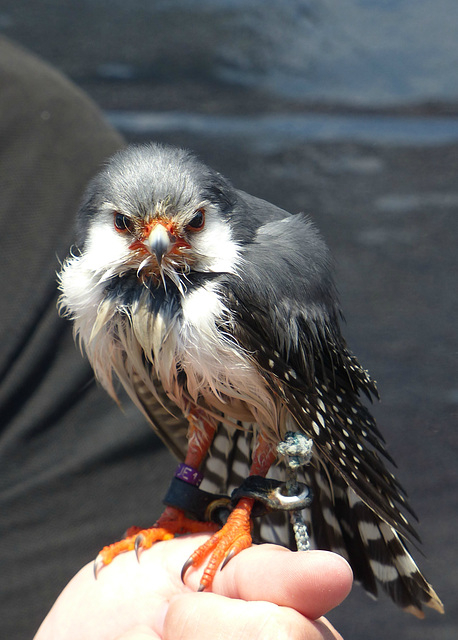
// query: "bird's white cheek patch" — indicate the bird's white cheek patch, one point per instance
point(81, 279)
point(105, 246)
point(216, 246)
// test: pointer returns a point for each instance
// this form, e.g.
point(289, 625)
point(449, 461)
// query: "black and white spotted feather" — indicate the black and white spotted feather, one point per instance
point(243, 323)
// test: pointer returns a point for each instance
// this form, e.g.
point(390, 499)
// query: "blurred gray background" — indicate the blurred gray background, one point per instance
point(345, 109)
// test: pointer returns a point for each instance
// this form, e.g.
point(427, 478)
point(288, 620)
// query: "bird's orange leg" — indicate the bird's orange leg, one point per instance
point(173, 521)
point(235, 535)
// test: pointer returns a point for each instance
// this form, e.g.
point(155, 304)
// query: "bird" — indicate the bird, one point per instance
point(218, 314)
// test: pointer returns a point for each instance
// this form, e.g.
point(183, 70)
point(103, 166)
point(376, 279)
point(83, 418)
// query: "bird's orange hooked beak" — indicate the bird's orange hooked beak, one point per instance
point(160, 240)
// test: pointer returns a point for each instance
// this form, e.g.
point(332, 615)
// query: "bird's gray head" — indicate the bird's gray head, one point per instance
point(157, 210)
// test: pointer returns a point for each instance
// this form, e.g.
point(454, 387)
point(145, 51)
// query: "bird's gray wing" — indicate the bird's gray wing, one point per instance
point(286, 315)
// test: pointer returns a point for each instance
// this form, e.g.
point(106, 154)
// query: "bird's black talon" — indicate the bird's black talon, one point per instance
point(97, 565)
point(230, 554)
point(185, 567)
point(201, 588)
point(138, 546)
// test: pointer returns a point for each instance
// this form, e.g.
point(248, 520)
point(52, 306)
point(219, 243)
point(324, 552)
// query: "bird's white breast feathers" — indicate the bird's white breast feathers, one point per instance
point(118, 339)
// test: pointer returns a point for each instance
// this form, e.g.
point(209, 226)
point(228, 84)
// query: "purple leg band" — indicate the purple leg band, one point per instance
point(188, 474)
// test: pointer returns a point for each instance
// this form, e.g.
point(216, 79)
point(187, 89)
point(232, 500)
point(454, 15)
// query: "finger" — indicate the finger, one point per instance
point(328, 628)
point(206, 616)
point(311, 582)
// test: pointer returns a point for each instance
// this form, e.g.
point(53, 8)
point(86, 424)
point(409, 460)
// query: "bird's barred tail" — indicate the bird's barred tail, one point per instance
point(341, 522)
point(338, 521)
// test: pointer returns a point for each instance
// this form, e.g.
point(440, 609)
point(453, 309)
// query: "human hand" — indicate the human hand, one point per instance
point(264, 592)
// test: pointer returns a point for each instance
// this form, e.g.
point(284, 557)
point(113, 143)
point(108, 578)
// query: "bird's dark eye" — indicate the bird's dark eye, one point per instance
point(122, 223)
point(197, 221)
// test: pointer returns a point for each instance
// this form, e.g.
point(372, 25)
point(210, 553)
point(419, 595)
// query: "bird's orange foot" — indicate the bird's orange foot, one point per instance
point(172, 523)
point(226, 543)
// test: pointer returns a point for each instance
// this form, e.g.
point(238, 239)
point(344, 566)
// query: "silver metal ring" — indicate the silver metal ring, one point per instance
point(294, 502)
